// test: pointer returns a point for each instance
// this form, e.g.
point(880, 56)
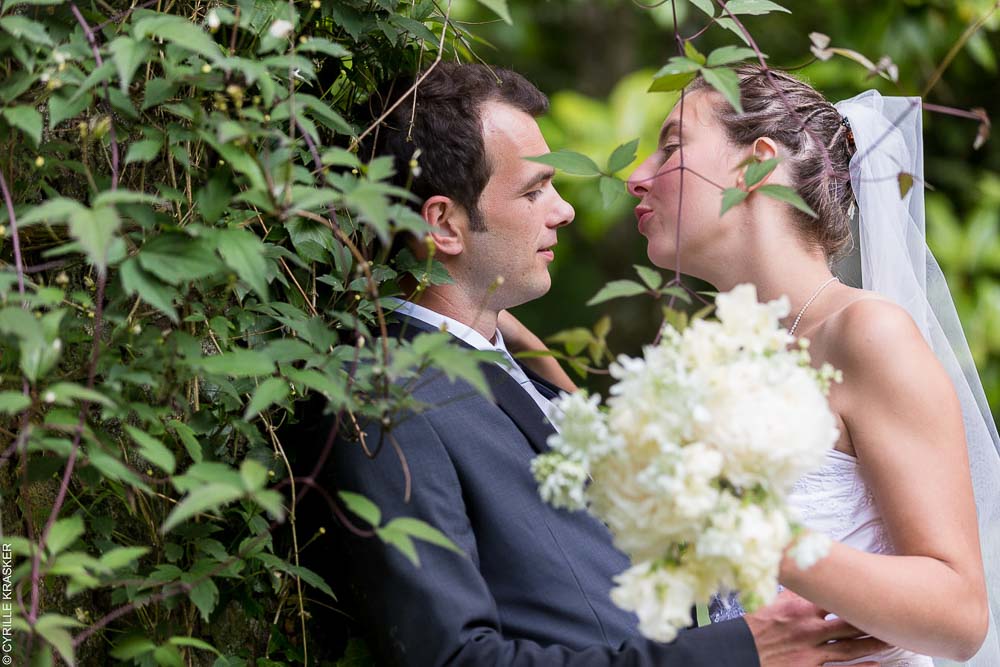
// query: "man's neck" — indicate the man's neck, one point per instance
point(457, 305)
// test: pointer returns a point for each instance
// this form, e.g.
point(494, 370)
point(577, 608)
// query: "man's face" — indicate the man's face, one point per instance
point(521, 211)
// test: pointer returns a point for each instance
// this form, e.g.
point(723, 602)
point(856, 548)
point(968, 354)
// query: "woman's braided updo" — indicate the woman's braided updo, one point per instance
point(803, 122)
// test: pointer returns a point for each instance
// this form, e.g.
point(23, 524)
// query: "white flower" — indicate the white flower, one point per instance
point(810, 549)
point(691, 460)
point(49, 397)
point(280, 28)
point(560, 480)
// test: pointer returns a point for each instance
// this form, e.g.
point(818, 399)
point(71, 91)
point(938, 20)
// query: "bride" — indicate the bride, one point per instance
point(896, 492)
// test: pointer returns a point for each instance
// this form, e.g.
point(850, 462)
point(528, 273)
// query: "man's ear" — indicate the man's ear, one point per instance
point(762, 149)
point(448, 222)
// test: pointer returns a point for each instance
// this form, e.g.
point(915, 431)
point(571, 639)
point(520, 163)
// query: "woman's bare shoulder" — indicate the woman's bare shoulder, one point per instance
point(872, 330)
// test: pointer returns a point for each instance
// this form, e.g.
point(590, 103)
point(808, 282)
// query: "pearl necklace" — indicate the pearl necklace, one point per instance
point(798, 317)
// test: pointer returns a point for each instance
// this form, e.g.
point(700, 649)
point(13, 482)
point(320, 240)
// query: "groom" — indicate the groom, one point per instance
point(531, 584)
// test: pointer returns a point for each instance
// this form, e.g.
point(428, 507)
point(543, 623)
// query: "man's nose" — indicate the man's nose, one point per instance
point(564, 212)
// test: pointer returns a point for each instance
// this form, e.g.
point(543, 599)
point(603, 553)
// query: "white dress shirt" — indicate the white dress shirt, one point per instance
point(472, 337)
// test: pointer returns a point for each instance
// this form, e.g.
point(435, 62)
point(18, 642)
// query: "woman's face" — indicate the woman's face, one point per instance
point(687, 200)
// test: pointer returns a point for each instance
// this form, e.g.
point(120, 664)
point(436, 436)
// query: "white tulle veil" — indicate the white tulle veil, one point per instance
point(891, 257)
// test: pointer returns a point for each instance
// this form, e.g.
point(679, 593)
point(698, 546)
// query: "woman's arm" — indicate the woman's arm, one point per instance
point(519, 338)
point(905, 424)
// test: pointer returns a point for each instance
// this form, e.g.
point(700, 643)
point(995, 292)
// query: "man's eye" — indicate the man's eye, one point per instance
point(533, 195)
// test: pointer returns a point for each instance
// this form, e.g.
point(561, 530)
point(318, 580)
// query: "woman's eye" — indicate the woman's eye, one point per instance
point(669, 149)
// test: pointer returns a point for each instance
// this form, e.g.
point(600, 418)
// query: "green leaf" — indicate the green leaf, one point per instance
point(128, 54)
point(616, 289)
point(153, 450)
point(65, 392)
point(27, 119)
point(143, 151)
point(205, 596)
point(421, 530)
point(730, 25)
point(401, 541)
point(729, 54)
point(569, 162)
point(311, 578)
point(693, 53)
point(363, 507)
point(12, 402)
point(622, 156)
point(905, 183)
point(122, 556)
point(54, 211)
point(757, 171)
point(205, 498)
point(236, 363)
point(253, 475)
point(754, 7)
point(611, 189)
point(186, 436)
point(20, 27)
point(499, 7)
point(787, 195)
point(652, 278)
point(731, 197)
point(51, 627)
point(243, 252)
point(706, 6)
point(62, 107)
point(112, 197)
point(180, 31)
point(271, 390)
point(726, 82)
point(158, 91)
point(64, 532)
point(94, 230)
point(136, 281)
point(676, 292)
point(193, 642)
point(324, 46)
point(178, 259)
point(214, 197)
point(677, 73)
point(131, 647)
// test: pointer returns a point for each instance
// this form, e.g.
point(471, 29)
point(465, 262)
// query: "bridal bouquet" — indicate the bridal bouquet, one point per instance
point(692, 460)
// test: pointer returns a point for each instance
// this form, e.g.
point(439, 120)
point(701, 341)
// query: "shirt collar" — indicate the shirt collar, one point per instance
point(461, 331)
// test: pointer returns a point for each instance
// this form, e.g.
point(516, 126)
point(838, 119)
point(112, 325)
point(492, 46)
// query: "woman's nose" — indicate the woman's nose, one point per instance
point(638, 182)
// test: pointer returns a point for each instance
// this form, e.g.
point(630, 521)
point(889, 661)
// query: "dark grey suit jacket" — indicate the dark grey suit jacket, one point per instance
point(532, 586)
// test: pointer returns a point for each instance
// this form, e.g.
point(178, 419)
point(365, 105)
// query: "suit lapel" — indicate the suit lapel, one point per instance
point(519, 406)
point(509, 396)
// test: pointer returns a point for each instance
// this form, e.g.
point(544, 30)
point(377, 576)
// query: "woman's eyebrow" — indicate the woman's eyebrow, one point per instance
point(665, 130)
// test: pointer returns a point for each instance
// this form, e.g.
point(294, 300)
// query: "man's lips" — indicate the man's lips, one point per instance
point(547, 252)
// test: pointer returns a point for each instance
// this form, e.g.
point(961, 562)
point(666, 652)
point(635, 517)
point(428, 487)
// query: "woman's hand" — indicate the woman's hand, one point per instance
point(519, 338)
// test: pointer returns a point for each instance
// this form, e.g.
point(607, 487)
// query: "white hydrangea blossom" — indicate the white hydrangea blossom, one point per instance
point(690, 461)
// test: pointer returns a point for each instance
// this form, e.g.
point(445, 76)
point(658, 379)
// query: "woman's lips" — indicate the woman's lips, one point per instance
point(642, 213)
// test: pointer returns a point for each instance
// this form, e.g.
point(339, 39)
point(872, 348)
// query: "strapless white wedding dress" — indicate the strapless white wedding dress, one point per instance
point(836, 501)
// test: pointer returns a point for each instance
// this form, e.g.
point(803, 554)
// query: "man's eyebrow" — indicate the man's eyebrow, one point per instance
point(665, 131)
point(536, 179)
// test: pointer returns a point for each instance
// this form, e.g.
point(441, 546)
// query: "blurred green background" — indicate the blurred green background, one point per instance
point(595, 59)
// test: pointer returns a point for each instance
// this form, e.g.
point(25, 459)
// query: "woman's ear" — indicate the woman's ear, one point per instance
point(762, 149)
point(448, 221)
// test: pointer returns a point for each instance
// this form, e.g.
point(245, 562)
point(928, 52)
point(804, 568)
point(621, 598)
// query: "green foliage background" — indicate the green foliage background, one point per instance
point(186, 223)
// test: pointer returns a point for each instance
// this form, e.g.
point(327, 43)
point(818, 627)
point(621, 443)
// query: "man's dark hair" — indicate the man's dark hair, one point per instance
point(446, 127)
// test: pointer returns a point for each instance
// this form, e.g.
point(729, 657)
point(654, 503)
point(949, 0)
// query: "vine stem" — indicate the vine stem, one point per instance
point(92, 40)
point(412, 89)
